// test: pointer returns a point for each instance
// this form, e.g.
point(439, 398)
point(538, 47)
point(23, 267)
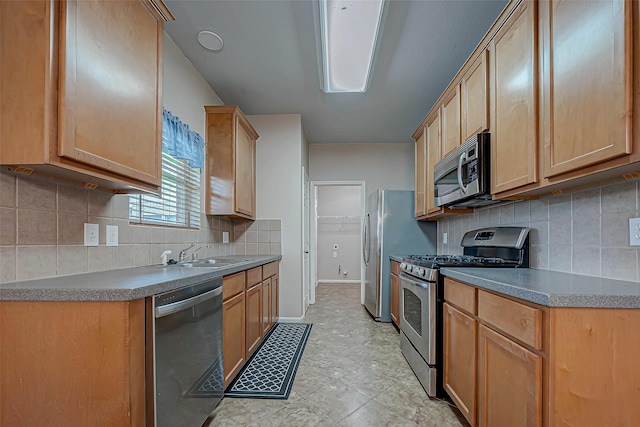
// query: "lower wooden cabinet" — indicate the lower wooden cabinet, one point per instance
point(250, 309)
point(509, 382)
point(460, 352)
point(270, 279)
point(266, 306)
point(275, 298)
point(539, 366)
point(394, 309)
point(72, 363)
point(233, 320)
point(253, 304)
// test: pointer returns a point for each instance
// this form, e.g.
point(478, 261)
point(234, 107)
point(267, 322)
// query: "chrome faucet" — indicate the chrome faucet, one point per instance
point(184, 253)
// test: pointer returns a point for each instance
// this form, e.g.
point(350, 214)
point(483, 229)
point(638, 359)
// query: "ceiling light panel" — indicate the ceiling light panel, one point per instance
point(349, 32)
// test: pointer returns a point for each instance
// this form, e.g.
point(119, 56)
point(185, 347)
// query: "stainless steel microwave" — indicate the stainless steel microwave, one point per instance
point(461, 178)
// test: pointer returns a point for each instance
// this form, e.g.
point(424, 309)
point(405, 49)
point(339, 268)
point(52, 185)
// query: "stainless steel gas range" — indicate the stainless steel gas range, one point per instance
point(422, 294)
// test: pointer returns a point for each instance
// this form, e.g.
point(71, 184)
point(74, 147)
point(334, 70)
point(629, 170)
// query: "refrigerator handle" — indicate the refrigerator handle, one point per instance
point(365, 243)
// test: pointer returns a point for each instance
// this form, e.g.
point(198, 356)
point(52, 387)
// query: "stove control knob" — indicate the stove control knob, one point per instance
point(409, 268)
point(420, 272)
point(403, 266)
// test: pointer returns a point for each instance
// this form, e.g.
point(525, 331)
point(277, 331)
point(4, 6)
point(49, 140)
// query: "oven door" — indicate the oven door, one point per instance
point(418, 313)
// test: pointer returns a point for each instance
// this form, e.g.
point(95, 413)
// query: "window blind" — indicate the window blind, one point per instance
point(179, 202)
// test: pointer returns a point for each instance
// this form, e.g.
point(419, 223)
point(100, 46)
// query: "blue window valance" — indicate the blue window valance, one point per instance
point(181, 142)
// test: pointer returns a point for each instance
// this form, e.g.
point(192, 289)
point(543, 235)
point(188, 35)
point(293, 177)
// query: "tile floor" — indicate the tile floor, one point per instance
point(352, 373)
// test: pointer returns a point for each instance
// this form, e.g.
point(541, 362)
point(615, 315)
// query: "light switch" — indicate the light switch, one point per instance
point(444, 238)
point(225, 237)
point(91, 234)
point(634, 231)
point(335, 254)
point(112, 235)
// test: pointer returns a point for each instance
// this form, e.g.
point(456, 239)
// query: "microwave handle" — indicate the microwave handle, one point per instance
point(461, 160)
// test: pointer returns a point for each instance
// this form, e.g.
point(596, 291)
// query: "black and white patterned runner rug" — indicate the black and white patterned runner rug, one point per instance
point(270, 372)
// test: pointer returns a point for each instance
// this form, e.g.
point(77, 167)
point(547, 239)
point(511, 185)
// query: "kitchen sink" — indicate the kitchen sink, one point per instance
point(207, 262)
point(204, 263)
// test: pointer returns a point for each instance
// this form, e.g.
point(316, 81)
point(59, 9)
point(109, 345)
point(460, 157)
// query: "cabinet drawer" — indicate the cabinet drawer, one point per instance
point(254, 276)
point(518, 320)
point(232, 285)
point(395, 267)
point(460, 295)
point(270, 269)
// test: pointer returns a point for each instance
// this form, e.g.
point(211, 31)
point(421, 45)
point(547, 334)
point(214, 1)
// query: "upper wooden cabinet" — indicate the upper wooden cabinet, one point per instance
point(587, 83)
point(474, 91)
point(231, 163)
point(450, 116)
point(514, 126)
point(434, 155)
point(420, 160)
point(81, 91)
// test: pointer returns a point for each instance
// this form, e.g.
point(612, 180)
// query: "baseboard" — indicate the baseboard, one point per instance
point(333, 282)
point(290, 319)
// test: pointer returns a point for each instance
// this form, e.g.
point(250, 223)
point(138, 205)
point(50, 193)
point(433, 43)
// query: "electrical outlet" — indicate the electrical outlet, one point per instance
point(225, 237)
point(634, 231)
point(91, 234)
point(444, 238)
point(112, 235)
point(335, 254)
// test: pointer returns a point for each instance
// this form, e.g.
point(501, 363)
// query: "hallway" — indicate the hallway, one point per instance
point(352, 373)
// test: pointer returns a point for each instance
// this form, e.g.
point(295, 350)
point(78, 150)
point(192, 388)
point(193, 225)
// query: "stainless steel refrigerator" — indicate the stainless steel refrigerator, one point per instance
point(390, 228)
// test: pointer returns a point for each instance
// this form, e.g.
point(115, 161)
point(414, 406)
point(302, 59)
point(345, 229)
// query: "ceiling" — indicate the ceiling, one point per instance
point(269, 63)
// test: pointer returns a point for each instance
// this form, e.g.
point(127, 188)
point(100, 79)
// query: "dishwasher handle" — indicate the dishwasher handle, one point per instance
point(174, 307)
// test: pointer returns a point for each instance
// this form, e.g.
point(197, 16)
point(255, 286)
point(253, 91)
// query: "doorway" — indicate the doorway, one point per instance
point(337, 209)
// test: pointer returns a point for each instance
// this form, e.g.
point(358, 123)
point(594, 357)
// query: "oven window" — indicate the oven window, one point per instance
point(413, 311)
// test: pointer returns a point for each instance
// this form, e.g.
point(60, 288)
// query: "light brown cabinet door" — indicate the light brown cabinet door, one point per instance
point(254, 317)
point(587, 82)
point(395, 299)
point(275, 295)
point(475, 97)
point(509, 382)
point(451, 121)
point(245, 188)
point(110, 100)
point(266, 306)
point(233, 321)
point(83, 361)
point(420, 174)
point(433, 157)
point(514, 130)
point(460, 352)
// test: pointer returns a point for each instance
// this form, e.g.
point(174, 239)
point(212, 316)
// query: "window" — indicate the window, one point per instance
point(179, 202)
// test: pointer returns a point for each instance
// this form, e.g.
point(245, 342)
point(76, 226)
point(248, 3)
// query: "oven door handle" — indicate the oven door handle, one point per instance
point(422, 284)
point(174, 307)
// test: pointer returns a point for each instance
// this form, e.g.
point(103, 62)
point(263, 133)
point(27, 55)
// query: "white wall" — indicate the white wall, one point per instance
point(338, 210)
point(185, 92)
point(379, 165)
point(280, 154)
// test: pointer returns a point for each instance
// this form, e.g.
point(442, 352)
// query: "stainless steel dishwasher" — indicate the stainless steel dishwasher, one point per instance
point(189, 374)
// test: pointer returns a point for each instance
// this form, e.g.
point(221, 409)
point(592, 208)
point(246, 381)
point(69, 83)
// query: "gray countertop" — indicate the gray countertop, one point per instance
point(125, 284)
point(551, 288)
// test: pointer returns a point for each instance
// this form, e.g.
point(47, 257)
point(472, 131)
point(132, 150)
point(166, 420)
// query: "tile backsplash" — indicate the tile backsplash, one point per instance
point(584, 233)
point(42, 232)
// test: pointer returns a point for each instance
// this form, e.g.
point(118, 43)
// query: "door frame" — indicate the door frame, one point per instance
point(313, 233)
